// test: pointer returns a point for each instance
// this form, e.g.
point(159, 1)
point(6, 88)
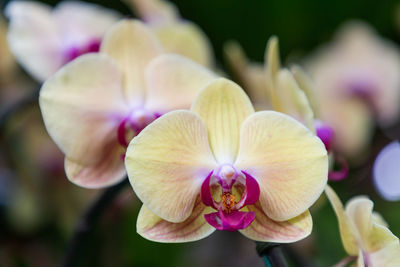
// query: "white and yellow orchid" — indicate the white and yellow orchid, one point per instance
point(43, 39)
point(95, 104)
point(356, 77)
point(285, 90)
point(364, 233)
point(175, 34)
point(259, 172)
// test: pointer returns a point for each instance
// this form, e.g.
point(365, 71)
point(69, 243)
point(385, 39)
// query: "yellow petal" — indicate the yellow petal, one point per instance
point(154, 11)
point(305, 84)
point(132, 45)
point(373, 236)
point(272, 68)
point(152, 227)
point(187, 39)
point(249, 75)
point(81, 105)
point(360, 259)
point(265, 229)
point(293, 100)
point(173, 82)
point(34, 39)
point(223, 106)
point(167, 163)
point(288, 161)
point(108, 171)
point(348, 232)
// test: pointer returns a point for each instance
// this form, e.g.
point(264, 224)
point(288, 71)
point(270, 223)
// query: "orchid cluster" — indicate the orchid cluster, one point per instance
point(142, 99)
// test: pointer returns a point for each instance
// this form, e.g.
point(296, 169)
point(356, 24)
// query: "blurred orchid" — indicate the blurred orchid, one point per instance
point(357, 77)
point(175, 34)
point(386, 172)
point(287, 91)
point(94, 105)
point(364, 233)
point(44, 39)
point(222, 166)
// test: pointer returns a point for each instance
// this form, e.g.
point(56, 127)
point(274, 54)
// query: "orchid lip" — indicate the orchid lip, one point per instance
point(325, 133)
point(134, 123)
point(92, 46)
point(228, 216)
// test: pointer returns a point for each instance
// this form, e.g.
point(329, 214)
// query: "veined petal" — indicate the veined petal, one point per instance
point(167, 163)
point(348, 232)
point(108, 171)
point(33, 38)
point(81, 22)
point(373, 236)
point(81, 105)
point(288, 161)
point(294, 101)
point(265, 229)
point(195, 227)
point(187, 39)
point(173, 82)
point(223, 106)
point(132, 45)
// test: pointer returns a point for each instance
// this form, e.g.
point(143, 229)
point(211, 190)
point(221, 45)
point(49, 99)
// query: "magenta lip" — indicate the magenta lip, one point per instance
point(230, 219)
point(93, 46)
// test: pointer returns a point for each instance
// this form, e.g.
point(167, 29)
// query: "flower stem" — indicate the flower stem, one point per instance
point(271, 254)
point(87, 223)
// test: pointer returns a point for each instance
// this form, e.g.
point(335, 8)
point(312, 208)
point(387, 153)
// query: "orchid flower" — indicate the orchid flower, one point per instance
point(44, 39)
point(223, 166)
point(364, 233)
point(285, 90)
point(176, 35)
point(386, 172)
point(357, 77)
point(95, 104)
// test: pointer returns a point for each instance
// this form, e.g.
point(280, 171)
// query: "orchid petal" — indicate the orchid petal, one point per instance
point(251, 76)
point(173, 82)
point(265, 229)
point(81, 105)
point(372, 236)
point(33, 38)
point(132, 45)
point(167, 163)
point(389, 256)
point(187, 39)
point(293, 100)
point(82, 22)
point(223, 106)
point(306, 84)
point(288, 161)
point(348, 232)
point(155, 11)
point(273, 66)
point(108, 171)
point(152, 227)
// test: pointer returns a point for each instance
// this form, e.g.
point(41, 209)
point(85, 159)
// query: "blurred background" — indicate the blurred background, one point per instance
point(39, 207)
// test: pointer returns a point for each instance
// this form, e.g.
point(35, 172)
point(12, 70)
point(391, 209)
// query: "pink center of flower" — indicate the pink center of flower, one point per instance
point(133, 124)
point(325, 133)
point(237, 190)
point(73, 52)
